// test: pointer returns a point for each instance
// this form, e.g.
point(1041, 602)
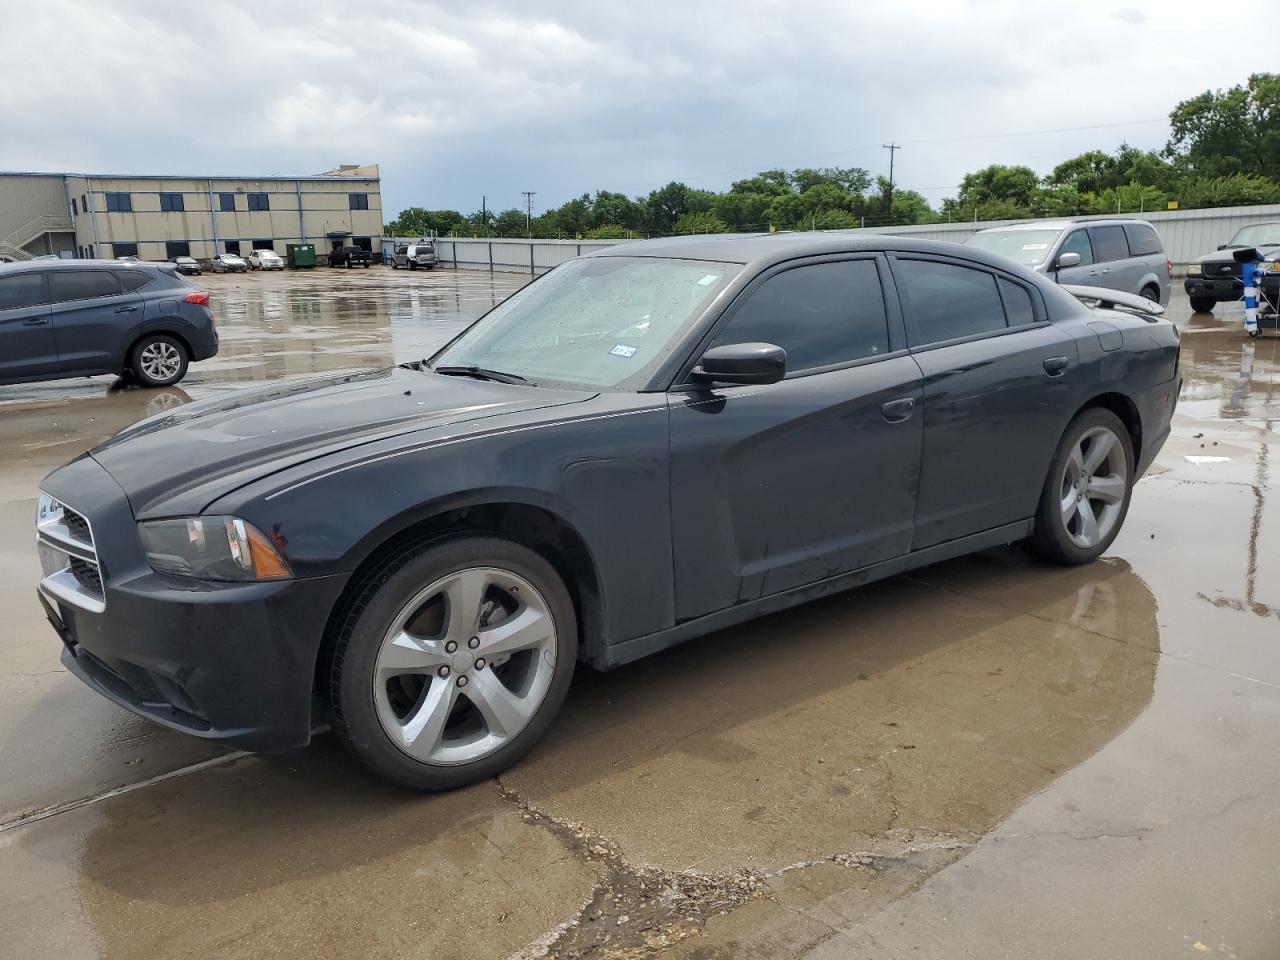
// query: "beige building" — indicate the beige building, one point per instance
point(159, 218)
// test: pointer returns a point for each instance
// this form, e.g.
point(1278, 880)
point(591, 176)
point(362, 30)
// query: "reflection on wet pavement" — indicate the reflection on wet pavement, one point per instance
point(988, 757)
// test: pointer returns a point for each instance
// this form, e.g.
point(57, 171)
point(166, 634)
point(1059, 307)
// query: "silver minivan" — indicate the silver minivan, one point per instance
point(1090, 251)
point(414, 255)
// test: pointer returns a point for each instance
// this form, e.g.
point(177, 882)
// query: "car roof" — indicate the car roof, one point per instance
point(81, 265)
point(761, 249)
point(1063, 223)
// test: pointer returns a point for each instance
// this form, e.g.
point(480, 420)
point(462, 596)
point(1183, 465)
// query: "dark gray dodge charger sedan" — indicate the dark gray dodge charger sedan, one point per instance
point(643, 445)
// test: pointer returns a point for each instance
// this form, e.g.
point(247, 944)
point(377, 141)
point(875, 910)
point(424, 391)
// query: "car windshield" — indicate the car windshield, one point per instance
point(1257, 235)
point(599, 321)
point(1028, 247)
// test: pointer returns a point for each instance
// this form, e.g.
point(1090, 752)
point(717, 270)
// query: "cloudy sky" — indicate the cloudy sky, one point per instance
point(456, 100)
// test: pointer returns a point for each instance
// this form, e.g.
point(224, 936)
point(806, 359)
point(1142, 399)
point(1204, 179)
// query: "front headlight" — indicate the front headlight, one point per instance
point(211, 548)
point(1194, 270)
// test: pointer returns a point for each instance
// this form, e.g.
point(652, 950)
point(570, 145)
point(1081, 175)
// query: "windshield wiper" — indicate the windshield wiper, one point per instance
point(481, 373)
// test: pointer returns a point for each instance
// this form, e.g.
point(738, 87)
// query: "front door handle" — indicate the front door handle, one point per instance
point(1056, 366)
point(35, 321)
point(126, 309)
point(895, 411)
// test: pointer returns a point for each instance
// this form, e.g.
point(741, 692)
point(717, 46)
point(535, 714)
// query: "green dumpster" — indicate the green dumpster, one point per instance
point(300, 255)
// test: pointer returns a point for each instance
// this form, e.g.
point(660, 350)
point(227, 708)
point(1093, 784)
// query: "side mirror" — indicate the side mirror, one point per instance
point(1245, 254)
point(1068, 260)
point(1223, 246)
point(742, 363)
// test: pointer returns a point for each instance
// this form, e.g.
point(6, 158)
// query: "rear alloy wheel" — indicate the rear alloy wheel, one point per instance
point(1151, 293)
point(158, 360)
point(452, 661)
point(1203, 304)
point(1086, 495)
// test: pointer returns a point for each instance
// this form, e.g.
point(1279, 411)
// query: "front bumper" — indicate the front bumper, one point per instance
point(227, 662)
point(1224, 288)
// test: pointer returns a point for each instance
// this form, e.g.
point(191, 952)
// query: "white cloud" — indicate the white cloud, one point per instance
point(497, 97)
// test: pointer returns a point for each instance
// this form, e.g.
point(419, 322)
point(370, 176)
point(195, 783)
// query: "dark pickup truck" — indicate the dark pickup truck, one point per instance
point(350, 257)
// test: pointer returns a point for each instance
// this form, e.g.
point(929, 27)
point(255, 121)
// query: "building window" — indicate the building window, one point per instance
point(358, 201)
point(176, 248)
point(232, 246)
point(363, 243)
point(171, 203)
point(84, 203)
point(124, 249)
point(258, 201)
point(119, 203)
point(264, 245)
point(227, 202)
point(74, 211)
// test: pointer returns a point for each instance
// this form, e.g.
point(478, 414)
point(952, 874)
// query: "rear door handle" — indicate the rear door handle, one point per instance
point(895, 411)
point(35, 321)
point(1056, 366)
point(126, 309)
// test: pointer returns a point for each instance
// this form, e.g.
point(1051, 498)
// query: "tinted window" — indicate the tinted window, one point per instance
point(227, 202)
point(821, 314)
point(124, 249)
point(176, 248)
point(358, 201)
point(171, 202)
point(74, 211)
point(1078, 242)
point(1142, 240)
point(1108, 243)
point(21, 290)
point(258, 201)
point(133, 279)
point(1017, 303)
point(950, 301)
point(82, 284)
point(119, 203)
point(231, 246)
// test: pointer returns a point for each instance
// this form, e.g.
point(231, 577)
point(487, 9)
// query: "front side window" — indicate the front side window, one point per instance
point(24, 289)
point(1108, 243)
point(821, 314)
point(1078, 242)
point(227, 202)
point(171, 203)
point(950, 301)
point(599, 321)
point(119, 203)
point(82, 285)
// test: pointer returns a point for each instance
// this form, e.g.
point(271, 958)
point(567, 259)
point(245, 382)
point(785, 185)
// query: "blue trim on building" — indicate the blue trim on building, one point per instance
point(181, 176)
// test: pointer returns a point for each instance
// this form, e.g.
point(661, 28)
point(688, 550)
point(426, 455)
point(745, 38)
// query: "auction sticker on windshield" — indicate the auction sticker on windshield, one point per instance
point(623, 350)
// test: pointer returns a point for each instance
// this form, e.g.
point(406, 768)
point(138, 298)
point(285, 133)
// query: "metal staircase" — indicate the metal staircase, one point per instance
point(13, 246)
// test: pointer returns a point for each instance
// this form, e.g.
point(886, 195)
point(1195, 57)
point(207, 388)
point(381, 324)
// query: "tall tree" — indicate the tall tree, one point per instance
point(1220, 133)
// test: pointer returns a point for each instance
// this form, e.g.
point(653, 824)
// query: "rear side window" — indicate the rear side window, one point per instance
point(1078, 242)
point(82, 284)
point(24, 289)
point(820, 314)
point(1143, 240)
point(950, 301)
point(1108, 243)
point(134, 279)
point(1017, 303)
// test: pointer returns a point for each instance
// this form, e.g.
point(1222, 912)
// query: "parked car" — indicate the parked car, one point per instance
point(350, 257)
point(228, 263)
point(658, 440)
point(414, 255)
point(187, 265)
point(1216, 277)
point(127, 258)
point(265, 260)
point(1118, 254)
point(74, 318)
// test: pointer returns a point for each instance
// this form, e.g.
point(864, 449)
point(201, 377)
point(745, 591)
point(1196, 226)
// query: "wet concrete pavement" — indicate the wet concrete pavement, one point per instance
point(986, 758)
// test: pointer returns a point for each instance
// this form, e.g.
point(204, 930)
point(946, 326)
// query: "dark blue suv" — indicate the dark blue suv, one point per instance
point(74, 318)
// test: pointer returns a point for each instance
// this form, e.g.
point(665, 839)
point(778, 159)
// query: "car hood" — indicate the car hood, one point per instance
point(1269, 252)
point(205, 450)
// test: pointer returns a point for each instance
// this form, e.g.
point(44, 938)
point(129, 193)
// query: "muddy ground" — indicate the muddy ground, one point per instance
point(986, 758)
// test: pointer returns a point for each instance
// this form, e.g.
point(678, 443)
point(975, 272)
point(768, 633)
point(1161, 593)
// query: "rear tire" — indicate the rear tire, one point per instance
point(1086, 494)
point(1151, 293)
point(159, 360)
point(408, 692)
point(1203, 304)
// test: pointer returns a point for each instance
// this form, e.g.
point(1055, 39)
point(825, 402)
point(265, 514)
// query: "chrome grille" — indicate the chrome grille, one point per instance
point(68, 558)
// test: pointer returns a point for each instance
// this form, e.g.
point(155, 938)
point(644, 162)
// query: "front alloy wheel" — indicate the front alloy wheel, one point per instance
point(451, 660)
point(159, 360)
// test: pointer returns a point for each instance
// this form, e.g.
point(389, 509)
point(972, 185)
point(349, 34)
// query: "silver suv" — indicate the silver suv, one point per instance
point(1090, 251)
point(414, 255)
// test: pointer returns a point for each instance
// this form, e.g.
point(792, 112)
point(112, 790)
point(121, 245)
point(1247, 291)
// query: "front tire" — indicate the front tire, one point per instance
point(159, 360)
point(1086, 495)
point(1203, 304)
point(451, 660)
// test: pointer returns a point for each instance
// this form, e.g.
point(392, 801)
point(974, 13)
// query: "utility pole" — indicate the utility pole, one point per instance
point(484, 213)
point(528, 211)
point(893, 148)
